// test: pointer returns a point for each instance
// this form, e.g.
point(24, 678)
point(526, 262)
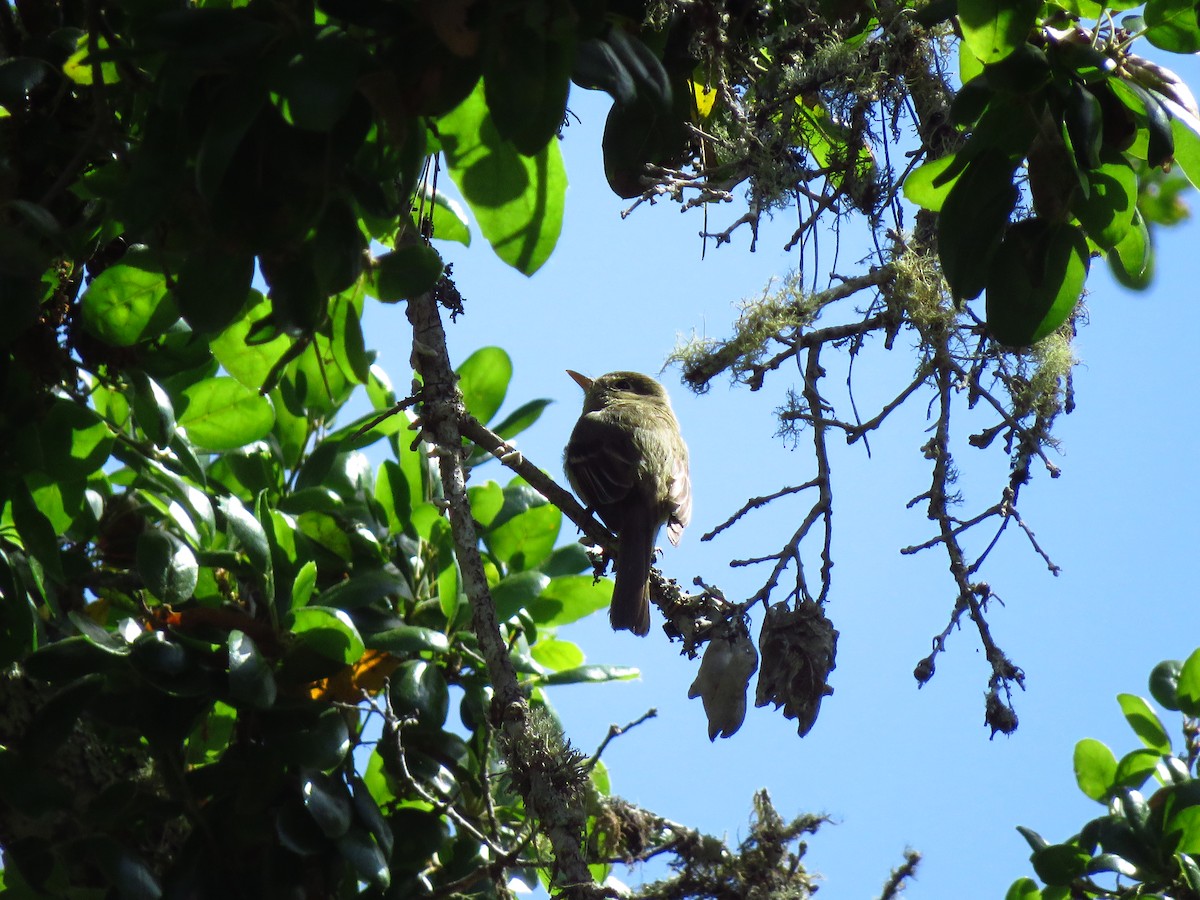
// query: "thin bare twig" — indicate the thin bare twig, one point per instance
point(615, 731)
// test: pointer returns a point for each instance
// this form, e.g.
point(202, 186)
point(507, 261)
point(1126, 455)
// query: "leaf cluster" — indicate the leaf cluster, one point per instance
point(228, 613)
point(1147, 842)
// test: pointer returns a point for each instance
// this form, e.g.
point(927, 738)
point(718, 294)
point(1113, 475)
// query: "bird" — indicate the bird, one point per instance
point(627, 461)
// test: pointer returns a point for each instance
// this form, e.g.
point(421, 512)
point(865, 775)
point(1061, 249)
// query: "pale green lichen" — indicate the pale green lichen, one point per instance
point(920, 290)
point(770, 318)
point(1044, 393)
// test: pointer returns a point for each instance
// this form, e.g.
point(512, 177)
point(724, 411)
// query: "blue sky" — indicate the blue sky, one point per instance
point(894, 766)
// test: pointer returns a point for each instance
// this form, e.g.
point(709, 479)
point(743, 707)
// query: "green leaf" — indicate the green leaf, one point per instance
point(590, 674)
point(1136, 766)
point(597, 67)
point(128, 874)
point(62, 502)
point(1132, 260)
point(1172, 25)
point(1107, 210)
point(1095, 769)
point(1060, 864)
point(1084, 120)
point(526, 539)
point(70, 658)
point(367, 810)
point(325, 530)
point(483, 378)
point(1186, 823)
point(299, 305)
point(1164, 683)
point(329, 632)
point(128, 302)
point(419, 834)
point(557, 655)
point(1187, 144)
point(569, 559)
point(347, 344)
point(393, 495)
point(362, 589)
point(365, 857)
point(486, 502)
point(251, 680)
point(1026, 70)
point(600, 779)
point(212, 287)
point(304, 584)
point(408, 271)
point(1134, 808)
point(1188, 692)
point(641, 133)
point(250, 363)
point(167, 566)
point(312, 742)
point(448, 216)
point(248, 531)
point(319, 83)
point(1145, 723)
point(524, 416)
point(1035, 841)
point(212, 736)
point(419, 689)
point(971, 101)
point(1023, 889)
point(223, 414)
point(925, 186)
point(328, 802)
point(19, 77)
point(517, 200)
point(569, 598)
point(516, 592)
point(406, 639)
point(18, 624)
point(972, 222)
point(80, 67)
point(70, 442)
point(526, 77)
point(338, 248)
point(152, 409)
point(1191, 871)
point(1160, 138)
point(995, 28)
point(1111, 862)
point(1035, 281)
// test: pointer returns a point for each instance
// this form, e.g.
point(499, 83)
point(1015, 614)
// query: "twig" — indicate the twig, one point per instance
point(756, 503)
point(396, 409)
point(592, 528)
point(615, 731)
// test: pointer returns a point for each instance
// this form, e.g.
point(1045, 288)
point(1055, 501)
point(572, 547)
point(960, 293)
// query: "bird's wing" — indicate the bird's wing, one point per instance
point(680, 498)
point(601, 462)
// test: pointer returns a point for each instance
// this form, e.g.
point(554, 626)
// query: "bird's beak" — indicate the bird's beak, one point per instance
point(582, 380)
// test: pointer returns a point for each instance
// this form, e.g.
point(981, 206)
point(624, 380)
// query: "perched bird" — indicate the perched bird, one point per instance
point(627, 462)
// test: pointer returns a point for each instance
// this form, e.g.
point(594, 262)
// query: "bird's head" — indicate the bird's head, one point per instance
point(616, 386)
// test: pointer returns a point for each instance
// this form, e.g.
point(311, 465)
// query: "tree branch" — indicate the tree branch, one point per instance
point(536, 771)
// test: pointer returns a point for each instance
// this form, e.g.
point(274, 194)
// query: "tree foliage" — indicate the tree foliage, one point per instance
point(1145, 843)
point(212, 600)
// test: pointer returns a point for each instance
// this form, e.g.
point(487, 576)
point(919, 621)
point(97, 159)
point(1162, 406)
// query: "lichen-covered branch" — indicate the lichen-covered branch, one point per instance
point(540, 762)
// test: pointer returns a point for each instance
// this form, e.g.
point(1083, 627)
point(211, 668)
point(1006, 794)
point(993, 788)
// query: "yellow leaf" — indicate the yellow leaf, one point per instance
point(704, 98)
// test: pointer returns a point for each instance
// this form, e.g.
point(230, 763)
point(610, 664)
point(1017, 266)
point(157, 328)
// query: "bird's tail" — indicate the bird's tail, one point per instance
point(631, 595)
